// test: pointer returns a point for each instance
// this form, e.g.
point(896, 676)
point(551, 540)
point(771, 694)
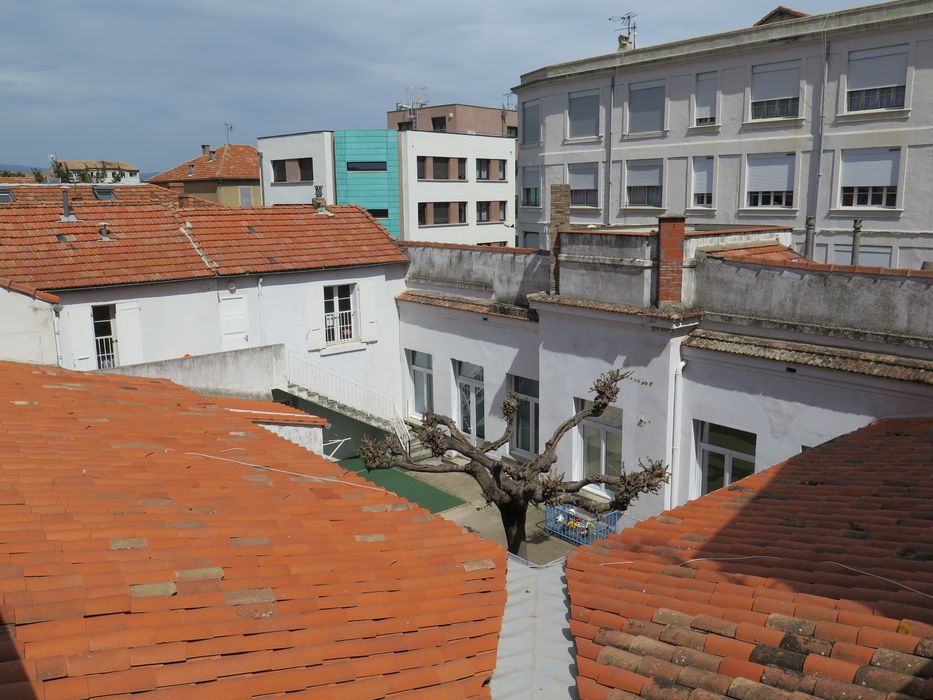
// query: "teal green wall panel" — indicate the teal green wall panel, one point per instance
point(371, 190)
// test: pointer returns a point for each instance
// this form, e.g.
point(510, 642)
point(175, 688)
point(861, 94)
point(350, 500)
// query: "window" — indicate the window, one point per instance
point(870, 255)
point(531, 184)
point(105, 339)
point(379, 213)
point(770, 180)
point(245, 196)
point(531, 124)
point(6, 195)
point(583, 115)
point(776, 90)
point(705, 99)
point(503, 206)
point(405, 126)
point(482, 168)
point(703, 181)
point(531, 239)
point(482, 212)
point(726, 455)
point(643, 183)
point(461, 212)
point(472, 413)
point(461, 168)
point(438, 123)
point(525, 433)
point(502, 166)
point(293, 170)
point(441, 212)
point(421, 167)
point(339, 319)
point(422, 380)
point(105, 193)
point(511, 131)
point(440, 168)
point(601, 441)
point(422, 214)
point(583, 190)
point(876, 79)
point(646, 107)
point(366, 166)
point(869, 177)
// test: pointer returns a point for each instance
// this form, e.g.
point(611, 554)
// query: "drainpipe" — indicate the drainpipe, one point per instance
point(56, 328)
point(675, 422)
point(856, 240)
point(262, 190)
point(808, 241)
point(814, 206)
point(607, 188)
point(262, 340)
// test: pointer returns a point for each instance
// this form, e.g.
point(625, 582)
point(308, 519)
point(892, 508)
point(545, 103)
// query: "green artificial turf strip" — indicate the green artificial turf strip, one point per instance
point(408, 487)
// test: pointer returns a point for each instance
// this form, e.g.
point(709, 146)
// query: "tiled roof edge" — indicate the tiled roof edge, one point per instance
point(685, 314)
point(804, 264)
point(467, 246)
point(29, 291)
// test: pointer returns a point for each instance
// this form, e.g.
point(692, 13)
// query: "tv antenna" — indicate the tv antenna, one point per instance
point(417, 98)
point(625, 25)
point(228, 127)
point(509, 97)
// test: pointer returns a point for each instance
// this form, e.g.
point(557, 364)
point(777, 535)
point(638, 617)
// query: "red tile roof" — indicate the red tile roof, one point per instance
point(99, 165)
point(267, 412)
point(126, 194)
point(153, 242)
point(140, 552)
point(236, 161)
point(812, 578)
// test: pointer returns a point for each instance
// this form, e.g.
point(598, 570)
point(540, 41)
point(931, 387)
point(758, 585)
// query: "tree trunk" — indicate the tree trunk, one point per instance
point(513, 521)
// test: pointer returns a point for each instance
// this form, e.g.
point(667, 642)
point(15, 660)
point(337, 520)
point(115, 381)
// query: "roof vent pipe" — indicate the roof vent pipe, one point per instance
point(104, 231)
point(66, 208)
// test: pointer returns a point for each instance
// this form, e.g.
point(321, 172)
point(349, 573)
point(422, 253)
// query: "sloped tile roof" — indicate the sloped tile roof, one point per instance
point(154, 243)
point(126, 194)
point(141, 553)
point(267, 412)
point(98, 165)
point(812, 578)
point(761, 253)
point(857, 361)
point(236, 161)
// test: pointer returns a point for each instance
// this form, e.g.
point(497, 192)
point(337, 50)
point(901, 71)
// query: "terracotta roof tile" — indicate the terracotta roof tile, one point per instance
point(51, 194)
point(235, 161)
point(139, 555)
point(837, 615)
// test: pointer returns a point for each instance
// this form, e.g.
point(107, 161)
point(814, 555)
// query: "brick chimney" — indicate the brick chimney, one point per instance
point(559, 218)
point(205, 147)
point(185, 201)
point(670, 270)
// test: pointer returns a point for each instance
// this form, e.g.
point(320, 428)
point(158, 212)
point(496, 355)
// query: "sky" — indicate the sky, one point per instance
point(148, 81)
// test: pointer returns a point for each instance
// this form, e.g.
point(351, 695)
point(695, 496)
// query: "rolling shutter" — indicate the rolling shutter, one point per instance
point(870, 167)
point(775, 81)
point(770, 173)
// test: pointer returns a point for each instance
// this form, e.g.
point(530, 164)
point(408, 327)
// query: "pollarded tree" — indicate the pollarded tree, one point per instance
point(512, 486)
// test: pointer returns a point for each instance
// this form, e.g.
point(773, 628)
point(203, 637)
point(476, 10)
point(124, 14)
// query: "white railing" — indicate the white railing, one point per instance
point(106, 352)
point(337, 387)
point(338, 327)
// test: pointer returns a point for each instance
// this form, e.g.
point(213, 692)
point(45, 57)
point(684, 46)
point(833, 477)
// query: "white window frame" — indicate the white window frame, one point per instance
point(592, 193)
point(625, 193)
point(883, 189)
point(691, 201)
point(534, 416)
point(603, 430)
point(341, 326)
point(525, 187)
point(105, 344)
point(427, 374)
point(746, 202)
point(844, 90)
point(646, 85)
point(704, 447)
point(799, 96)
point(716, 101)
point(472, 385)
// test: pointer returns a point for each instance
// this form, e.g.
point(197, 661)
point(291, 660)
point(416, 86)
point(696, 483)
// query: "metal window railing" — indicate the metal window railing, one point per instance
point(338, 327)
point(106, 352)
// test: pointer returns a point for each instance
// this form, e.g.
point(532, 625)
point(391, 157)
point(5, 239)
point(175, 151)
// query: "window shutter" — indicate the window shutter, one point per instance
point(314, 309)
point(870, 167)
point(776, 81)
point(367, 298)
point(531, 177)
point(531, 124)
point(877, 68)
point(129, 333)
point(706, 96)
point(646, 107)
point(584, 115)
point(770, 173)
point(643, 173)
point(81, 337)
point(583, 177)
point(703, 174)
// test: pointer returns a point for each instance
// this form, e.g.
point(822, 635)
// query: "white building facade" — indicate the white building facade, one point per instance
point(293, 165)
point(727, 128)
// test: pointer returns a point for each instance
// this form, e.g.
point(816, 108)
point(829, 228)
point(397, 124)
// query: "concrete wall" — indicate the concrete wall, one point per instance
point(507, 277)
point(883, 303)
point(307, 436)
point(27, 332)
point(229, 193)
point(317, 145)
point(486, 121)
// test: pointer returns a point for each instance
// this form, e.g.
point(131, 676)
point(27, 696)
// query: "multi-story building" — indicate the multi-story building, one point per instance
point(440, 187)
point(455, 119)
point(827, 116)
point(101, 171)
point(227, 175)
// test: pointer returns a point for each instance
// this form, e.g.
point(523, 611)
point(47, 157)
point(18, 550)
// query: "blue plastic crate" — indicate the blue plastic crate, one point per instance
point(572, 525)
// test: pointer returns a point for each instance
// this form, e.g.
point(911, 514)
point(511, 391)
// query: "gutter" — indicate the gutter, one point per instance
point(607, 187)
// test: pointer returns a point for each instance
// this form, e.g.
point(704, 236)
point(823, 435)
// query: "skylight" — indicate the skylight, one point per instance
point(105, 193)
point(6, 195)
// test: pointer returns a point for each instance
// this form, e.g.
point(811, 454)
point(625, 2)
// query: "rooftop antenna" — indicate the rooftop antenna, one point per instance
point(625, 25)
point(417, 98)
point(228, 127)
point(509, 97)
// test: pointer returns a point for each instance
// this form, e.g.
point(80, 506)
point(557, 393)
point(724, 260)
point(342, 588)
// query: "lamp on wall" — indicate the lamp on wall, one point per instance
point(231, 287)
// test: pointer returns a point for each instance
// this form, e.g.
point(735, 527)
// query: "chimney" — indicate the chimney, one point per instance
point(318, 202)
point(104, 231)
point(211, 155)
point(205, 148)
point(625, 43)
point(670, 270)
point(66, 208)
point(184, 201)
point(559, 218)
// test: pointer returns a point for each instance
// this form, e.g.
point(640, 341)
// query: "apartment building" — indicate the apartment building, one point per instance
point(455, 119)
point(227, 175)
point(442, 187)
point(826, 117)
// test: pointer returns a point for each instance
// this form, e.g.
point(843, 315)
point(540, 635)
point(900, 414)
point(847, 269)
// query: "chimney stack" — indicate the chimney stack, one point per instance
point(66, 208)
point(625, 43)
point(211, 155)
point(559, 218)
point(670, 270)
point(205, 147)
point(318, 202)
point(184, 201)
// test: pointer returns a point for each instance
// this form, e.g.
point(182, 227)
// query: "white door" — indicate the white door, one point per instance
point(234, 323)
point(129, 333)
point(472, 400)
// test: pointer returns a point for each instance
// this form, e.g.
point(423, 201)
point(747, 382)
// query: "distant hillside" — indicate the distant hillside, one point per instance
point(18, 168)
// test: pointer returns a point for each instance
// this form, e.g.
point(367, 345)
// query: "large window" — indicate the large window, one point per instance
point(704, 101)
point(531, 124)
point(105, 336)
point(482, 168)
point(776, 90)
point(246, 196)
point(366, 166)
point(532, 239)
point(643, 183)
point(583, 188)
point(339, 317)
point(471, 399)
point(869, 177)
point(438, 123)
point(293, 170)
point(525, 433)
point(440, 169)
point(770, 180)
point(482, 212)
point(583, 115)
point(703, 181)
point(422, 167)
point(422, 380)
point(601, 441)
point(725, 455)
point(646, 107)
point(876, 79)
point(531, 184)
point(441, 212)
point(503, 209)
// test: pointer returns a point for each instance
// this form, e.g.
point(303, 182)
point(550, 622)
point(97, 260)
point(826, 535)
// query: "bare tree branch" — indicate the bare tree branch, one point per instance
point(509, 411)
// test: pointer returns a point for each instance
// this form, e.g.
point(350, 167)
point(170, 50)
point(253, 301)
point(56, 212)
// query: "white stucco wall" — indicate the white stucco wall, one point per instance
point(27, 332)
point(426, 143)
point(318, 145)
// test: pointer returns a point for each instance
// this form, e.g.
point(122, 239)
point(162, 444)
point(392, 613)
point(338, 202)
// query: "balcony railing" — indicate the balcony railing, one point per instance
point(106, 352)
point(338, 327)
